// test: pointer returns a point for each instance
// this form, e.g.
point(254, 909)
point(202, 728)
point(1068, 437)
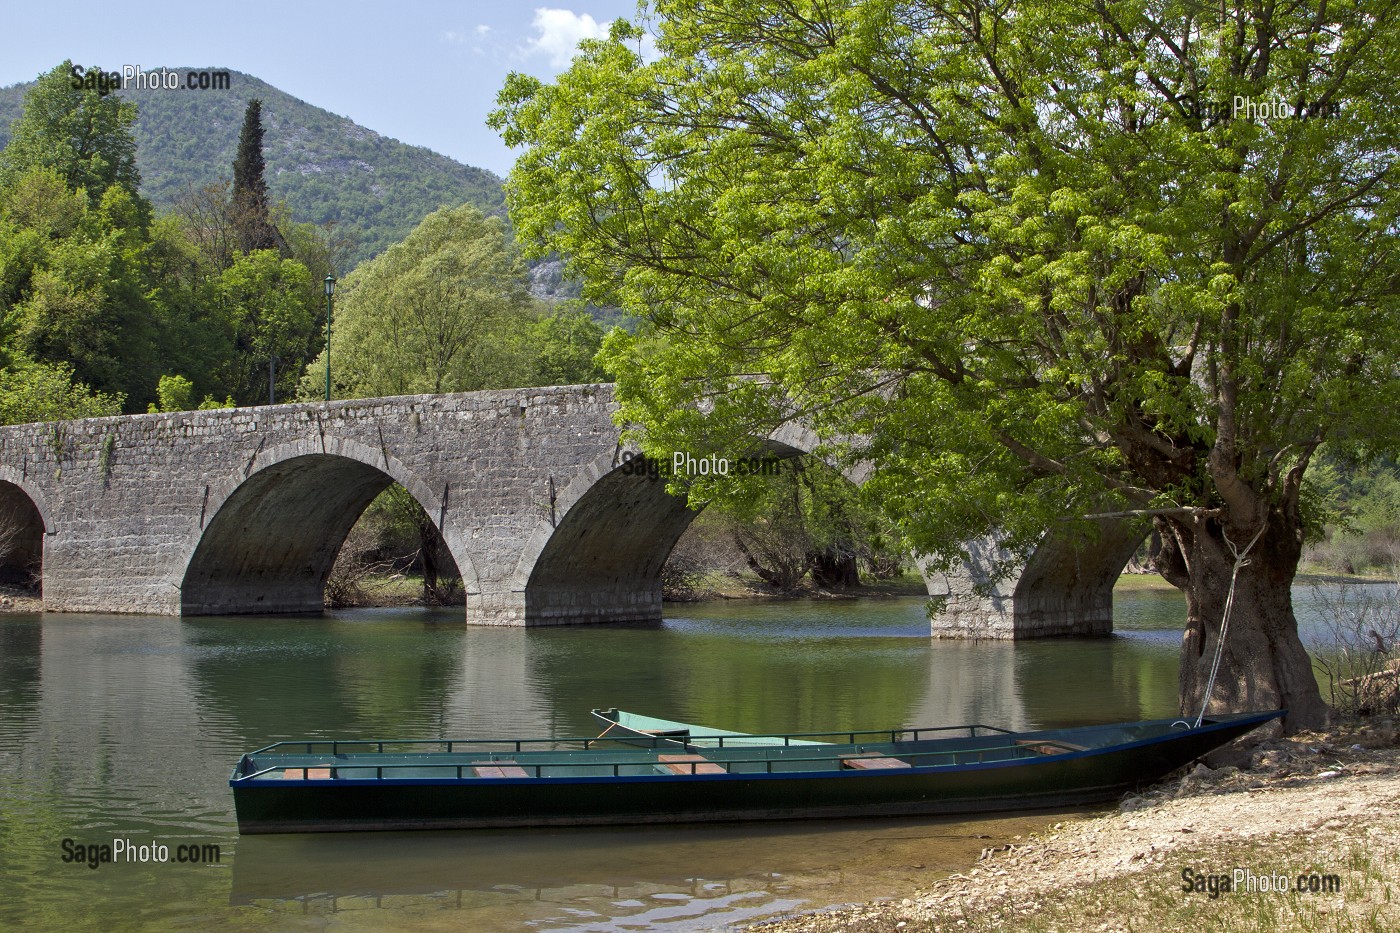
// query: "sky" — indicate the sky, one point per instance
point(425, 73)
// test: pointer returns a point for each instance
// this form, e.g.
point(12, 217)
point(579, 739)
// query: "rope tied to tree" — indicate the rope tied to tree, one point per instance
point(1241, 561)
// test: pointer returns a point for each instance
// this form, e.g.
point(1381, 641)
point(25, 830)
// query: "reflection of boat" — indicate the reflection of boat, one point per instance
point(323, 786)
point(608, 878)
point(636, 729)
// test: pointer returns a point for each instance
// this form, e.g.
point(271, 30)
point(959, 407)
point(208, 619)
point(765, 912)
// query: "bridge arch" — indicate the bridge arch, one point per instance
point(599, 554)
point(23, 524)
point(269, 534)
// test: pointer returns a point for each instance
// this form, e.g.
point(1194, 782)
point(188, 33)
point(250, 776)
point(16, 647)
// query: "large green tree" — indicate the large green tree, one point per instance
point(74, 282)
point(32, 391)
point(80, 131)
point(446, 310)
point(270, 313)
point(1048, 259)
point(566, 344)
point(792, 518)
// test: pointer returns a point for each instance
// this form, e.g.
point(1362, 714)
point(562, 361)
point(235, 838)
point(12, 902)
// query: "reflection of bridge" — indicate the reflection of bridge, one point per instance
point(244, 510)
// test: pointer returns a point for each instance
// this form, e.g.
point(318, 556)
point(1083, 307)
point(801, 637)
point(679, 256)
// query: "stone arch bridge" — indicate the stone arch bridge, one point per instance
point(241, 511)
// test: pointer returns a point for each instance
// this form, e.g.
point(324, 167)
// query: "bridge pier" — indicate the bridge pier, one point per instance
point(1065, 588)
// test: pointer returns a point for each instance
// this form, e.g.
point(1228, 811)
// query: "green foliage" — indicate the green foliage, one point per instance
point(73, 240)
point(325, 249)
point(33, 392)
point(1023, 258)
point(394, 516)
point(104, 457)
point(248, 165)
point(325, 167)
point(1364, 536)
point(218, 305)
point(90, 283)
point(192, 335)
point(1372, 497)
point(1031, 286)
point(797, 517)
point(82, 134)
point(174, 393)
point(446, 310)
point(398, 528)
point(74, 281)
point(567, 343)
point(269, 308)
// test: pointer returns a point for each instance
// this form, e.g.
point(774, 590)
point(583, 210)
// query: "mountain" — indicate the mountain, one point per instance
point(325, 167)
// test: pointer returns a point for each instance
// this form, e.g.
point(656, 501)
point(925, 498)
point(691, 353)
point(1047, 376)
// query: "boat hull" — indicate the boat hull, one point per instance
point(1065, 779)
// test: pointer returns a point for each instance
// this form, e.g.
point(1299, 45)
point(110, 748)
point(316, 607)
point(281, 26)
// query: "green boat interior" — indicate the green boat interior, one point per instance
point(493, 760)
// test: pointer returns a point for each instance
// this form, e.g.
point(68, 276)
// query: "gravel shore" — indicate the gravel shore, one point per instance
point(14, 599)
point(1312, 804)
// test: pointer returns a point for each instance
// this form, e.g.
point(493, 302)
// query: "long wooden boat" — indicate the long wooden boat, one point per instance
point(636, 729)
point(327, 786)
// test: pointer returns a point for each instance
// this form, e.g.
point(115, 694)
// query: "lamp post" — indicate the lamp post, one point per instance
point(330, 292)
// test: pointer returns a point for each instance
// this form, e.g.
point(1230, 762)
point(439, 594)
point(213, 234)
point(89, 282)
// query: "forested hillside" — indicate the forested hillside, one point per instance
point(325, 167)
point(110, 303)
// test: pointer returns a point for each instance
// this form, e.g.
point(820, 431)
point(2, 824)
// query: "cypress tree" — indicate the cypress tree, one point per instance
point(251, 219)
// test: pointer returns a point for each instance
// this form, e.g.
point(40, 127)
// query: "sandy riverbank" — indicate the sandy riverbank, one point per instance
point(1313, 805)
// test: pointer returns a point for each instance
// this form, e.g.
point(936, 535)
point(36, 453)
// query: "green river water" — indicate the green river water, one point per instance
point(126, 727)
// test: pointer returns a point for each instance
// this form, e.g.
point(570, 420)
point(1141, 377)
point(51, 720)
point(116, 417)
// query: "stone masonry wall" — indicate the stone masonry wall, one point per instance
point(126, 500)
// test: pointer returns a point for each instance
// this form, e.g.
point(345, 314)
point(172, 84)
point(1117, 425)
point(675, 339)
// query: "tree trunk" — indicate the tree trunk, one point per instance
point(783, 575)
point(833, 569)
point(429, 538)
point(1263, 664)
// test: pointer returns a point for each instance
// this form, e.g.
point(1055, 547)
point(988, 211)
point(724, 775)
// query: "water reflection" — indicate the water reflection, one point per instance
point(121, 725)
point(734, 674)
point(796, 667)
point(21, 655)
point(368, 674)
point(637, 878)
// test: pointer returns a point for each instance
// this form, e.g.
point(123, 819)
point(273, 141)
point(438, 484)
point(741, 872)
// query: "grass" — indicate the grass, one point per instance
point(1153, 900)
point(719, 584)
point(401, 586)
point(392, 590)
point(1151, 582)
point(1143, 583)
point(1321, 573)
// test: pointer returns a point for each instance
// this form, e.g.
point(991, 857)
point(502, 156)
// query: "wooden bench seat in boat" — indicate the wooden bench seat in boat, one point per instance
point(689, 764)
point(500, 769)
point(872, 762)
point(307, 774)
